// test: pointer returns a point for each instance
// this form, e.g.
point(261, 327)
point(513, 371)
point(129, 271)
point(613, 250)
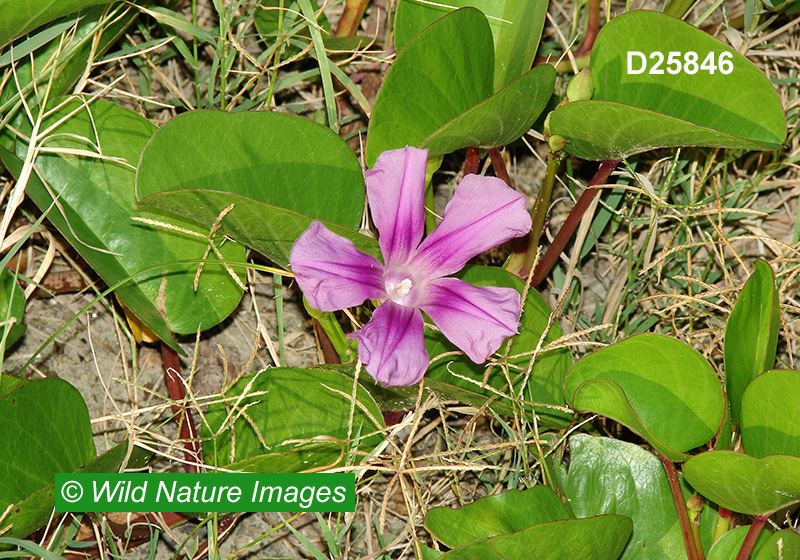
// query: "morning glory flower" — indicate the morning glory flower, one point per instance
point(483, 213)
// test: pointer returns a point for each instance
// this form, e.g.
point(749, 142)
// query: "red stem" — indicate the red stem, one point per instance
point(472, 162)
point(565, 233)
point(351, 18)
point(592, 29)
point(752, 537)
point(192, 451)
point(499, 166)
point(680, 506)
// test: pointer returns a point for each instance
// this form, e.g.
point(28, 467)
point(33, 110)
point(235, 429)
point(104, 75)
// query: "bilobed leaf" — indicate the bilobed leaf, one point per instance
point(516, 28)
point(751, 335)
point(633, 112)
point(439, 92)
point(280, 172)
point(458, 377)
point(117, 247)
point(657, 386)
point(611, 476)
point(745, 484)
point(510, 512)
point(445, 71)
point(21, 16)
point(593, 538)
point(46, 430)
point(278, 410)
point(769, 409)
point(500, 119)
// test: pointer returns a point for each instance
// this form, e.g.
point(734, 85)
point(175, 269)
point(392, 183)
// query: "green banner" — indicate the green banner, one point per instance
point(205, 492)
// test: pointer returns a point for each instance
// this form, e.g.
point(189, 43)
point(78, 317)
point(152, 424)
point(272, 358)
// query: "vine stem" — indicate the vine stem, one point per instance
point(472, 161)
point(499, 166)
point(576, 214)
point(692, 551)
point(351, 18)
point(752, 537)
point(592, 29)
point(177, 392)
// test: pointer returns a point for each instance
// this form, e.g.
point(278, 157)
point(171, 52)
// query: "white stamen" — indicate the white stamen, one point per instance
point(400, 290)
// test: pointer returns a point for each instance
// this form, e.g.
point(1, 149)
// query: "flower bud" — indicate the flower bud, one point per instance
point(580, 87)
point(556, 143)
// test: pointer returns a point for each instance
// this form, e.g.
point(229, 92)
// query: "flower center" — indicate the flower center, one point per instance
point(400, 289)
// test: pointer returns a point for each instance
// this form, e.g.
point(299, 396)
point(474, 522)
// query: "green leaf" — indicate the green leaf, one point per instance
point(745, 484)
point(458, 377)
point(500, 119)
point(10, 383)
point(438, 93)
point(32, 513)
point(115, 246)
point(21, 16)
point(781, 545)
point(516, 29)
point(427, 553)
point(729, 544)
point(751, 335)
point(611, 476)
point(510, 512)
point(281, 172)
point(769, 409)
point(12, 306)
point(279, 410)
point(305, 457)
point(46, 430)
point(58, 64)
point(594, 538)
point(632, 112)
point(657, 386)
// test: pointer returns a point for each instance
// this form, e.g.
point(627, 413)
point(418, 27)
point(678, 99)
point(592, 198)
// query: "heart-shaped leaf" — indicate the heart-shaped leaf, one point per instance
point(279, 410)
point(692, 90)
point(117, 247)
point(280, 172)
point(769, 407)
point(516, 28)
point(510, 512)
point(46, 430)
point(594, 538)
point(458, 377)
point(657, 386)
point(433, 93)
point(745, 484)
point(611, 476)
point(751, 335)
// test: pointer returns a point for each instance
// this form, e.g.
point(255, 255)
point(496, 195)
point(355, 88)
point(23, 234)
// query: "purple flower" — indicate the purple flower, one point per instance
point(333, 274)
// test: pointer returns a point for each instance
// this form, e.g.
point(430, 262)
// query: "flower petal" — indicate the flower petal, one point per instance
point(332, 273)
point(392, 345)
point(483, 213)
point(396, 195)
point(475, 318)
